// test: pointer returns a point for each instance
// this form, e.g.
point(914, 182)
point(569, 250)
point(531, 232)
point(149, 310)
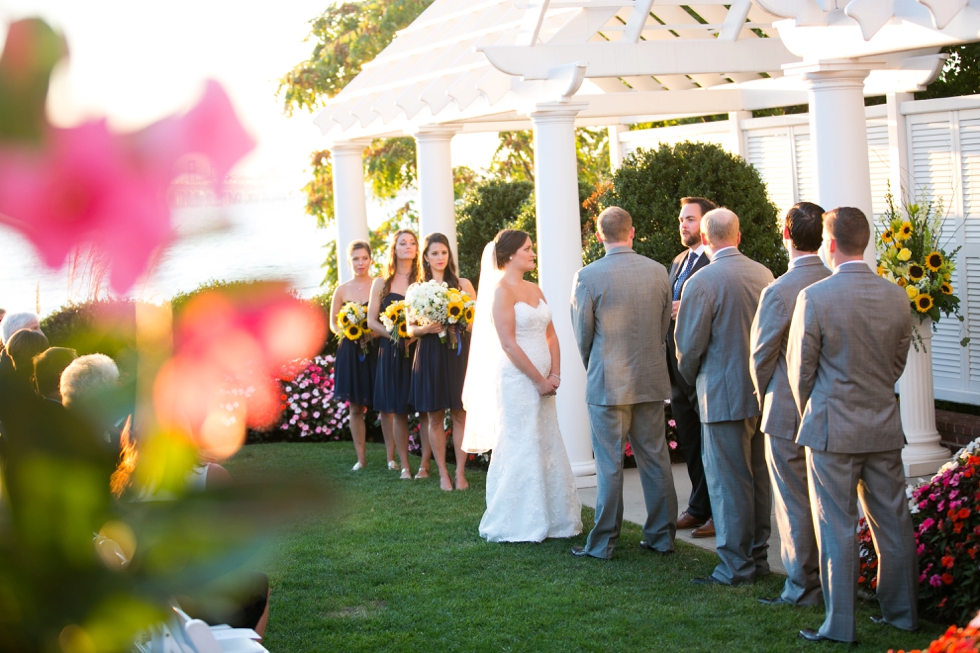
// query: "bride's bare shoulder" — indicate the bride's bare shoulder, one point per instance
point(533, 289)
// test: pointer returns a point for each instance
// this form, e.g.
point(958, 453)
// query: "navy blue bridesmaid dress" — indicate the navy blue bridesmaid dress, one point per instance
point(393, 377)
point(354, 373)
point(438, 373)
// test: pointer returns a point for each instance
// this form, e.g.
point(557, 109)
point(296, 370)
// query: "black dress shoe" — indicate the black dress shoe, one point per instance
point(709, 580)
point(775, 601)
point(811, 635)
point(647, 547)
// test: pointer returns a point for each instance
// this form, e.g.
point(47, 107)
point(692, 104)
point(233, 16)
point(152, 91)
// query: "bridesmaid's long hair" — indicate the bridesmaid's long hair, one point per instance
point(449, 275)
point(414, 275)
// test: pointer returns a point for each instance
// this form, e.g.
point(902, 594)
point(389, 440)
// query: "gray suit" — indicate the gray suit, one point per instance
point(712, 340)
point(848, 344)
point(780, 420)
point(620, 314)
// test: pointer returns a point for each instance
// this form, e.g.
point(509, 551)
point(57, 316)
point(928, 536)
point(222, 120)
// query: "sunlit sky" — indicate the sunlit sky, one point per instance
point(135, 61)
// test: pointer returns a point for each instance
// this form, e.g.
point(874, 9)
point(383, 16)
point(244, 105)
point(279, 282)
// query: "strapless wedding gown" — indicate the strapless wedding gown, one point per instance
point(531, 492)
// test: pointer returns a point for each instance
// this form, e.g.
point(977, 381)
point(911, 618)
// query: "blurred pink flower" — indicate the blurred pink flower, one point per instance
point(86, 184)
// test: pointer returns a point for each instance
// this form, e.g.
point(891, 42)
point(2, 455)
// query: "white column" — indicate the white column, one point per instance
point(616, 146)
point(559, 258)
point(738, 141)
point(349, 206)
point(838, 136)
point(923, 455)
point(898, 144)
point(437, 207)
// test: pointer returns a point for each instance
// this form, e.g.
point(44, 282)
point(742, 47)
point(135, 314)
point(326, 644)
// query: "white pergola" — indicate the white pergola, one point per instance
point(551, 65)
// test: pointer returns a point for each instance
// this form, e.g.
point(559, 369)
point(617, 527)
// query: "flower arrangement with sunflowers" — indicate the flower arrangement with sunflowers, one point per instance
point(910, 255)
point(432, 302)
point(459, 315)
point(352, 321)
point(946, 517)
point(395, 321)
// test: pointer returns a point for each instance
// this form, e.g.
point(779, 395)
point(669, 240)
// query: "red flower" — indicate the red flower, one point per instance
point(963, 513)
point(948, 578)
point(948, 562)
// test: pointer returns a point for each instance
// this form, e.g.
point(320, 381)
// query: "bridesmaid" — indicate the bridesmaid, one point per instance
point(354, 375)
point(438, 371)
point(393, 375)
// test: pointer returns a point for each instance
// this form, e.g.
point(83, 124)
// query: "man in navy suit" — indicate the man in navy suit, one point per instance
point(683, 395)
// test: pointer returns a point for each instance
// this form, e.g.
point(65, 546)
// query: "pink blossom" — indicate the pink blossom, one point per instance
point(935, 580)
point(673, 444)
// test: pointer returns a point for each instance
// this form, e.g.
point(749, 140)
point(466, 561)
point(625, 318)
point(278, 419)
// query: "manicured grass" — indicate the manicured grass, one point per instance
point(400, 566)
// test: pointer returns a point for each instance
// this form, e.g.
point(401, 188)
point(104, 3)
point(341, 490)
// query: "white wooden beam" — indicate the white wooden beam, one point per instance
point(638, 18)
point(676, 57)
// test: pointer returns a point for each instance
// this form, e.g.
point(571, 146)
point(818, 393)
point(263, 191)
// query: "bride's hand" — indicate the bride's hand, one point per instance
point(547, 387)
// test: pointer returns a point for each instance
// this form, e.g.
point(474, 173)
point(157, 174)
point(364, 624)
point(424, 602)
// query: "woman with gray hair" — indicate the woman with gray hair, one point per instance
point(87, 386)
point(14, 322)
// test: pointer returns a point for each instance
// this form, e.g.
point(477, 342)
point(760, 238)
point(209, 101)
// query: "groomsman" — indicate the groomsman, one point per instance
point(848, 343)
point(620, 312)
point(712, 339)
point(683, 395)
point(802, 235)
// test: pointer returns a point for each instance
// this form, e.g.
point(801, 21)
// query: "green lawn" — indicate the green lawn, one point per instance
point(399, 566)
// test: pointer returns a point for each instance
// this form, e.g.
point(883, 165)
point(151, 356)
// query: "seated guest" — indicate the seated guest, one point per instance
point(48, 367)
point(14, 322)
point(87, 388)
point(22, 347)
point(17, 370)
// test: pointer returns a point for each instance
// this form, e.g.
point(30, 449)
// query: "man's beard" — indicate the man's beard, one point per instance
point(691, 240)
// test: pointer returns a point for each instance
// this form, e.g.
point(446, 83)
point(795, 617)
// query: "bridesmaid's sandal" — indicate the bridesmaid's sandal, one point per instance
point(392, 465)
point(357, 467)
point(423, 473)
point(406, 474)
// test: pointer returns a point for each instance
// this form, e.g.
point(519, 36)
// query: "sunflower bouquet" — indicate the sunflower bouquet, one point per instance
point(395, 320)
point(428, 303)
point(352, 321)
point(459, 311)
point(910, 255)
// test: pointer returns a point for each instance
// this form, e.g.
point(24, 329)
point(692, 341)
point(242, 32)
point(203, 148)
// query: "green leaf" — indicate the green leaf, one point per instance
point(31, 51)
point(964, 342)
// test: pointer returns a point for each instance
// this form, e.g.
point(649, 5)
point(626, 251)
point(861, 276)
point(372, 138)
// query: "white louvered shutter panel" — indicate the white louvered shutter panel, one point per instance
point(878, 162)
point(934, 177)
point(972, 313)
point(769, 152)
point(970, 154)
point(967, 235)
point(804, 168)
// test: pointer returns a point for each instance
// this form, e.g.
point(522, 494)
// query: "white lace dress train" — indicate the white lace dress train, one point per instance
point(531, 491)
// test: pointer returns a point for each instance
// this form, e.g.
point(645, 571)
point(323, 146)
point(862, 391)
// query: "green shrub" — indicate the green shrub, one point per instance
point(486, 208)
point(650, 184)
point(98, 327)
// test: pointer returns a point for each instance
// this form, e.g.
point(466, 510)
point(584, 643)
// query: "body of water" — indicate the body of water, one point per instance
point(262, 240)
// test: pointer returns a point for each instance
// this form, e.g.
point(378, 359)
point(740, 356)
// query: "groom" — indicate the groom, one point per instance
point(620, 313)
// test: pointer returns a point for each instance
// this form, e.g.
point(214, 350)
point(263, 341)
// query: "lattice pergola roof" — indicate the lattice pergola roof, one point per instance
point(481, 64)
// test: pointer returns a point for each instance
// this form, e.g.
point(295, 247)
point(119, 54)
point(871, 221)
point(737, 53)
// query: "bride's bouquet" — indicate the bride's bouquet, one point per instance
point(395, 321)
point(352, 320)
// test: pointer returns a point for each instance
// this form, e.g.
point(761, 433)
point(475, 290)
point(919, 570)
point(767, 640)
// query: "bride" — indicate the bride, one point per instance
point(509, 394)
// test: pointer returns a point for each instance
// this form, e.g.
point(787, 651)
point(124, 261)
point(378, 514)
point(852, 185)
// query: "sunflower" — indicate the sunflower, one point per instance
point(455, 309)
point(947, 289)
point(353, 332)
point(904, 232)
point(343, 320)
point(912, 292)
point(882, 270)
point(402, 330)
point(887, 236)
point(923, 303)
point(934, 261)
point(916, 272)
point(468, 314)
point(904, 254)
point(900, 281)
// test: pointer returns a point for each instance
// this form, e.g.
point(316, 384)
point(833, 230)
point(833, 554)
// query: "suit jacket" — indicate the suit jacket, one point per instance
point(770, 332)
point(675, 269)
point(620, 315)
point(712, 334)
point(848, 344)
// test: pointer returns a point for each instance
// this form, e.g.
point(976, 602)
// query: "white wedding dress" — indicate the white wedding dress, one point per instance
point(531, 491)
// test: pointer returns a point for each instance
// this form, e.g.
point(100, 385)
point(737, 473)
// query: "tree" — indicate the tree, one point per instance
point(960, 74)
point(650, 184)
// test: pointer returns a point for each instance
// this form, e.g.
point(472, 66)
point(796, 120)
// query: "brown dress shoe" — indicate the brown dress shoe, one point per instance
point(707, 530)
point(686, 521)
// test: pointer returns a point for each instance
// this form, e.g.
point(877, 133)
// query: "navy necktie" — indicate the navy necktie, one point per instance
point(679, 283)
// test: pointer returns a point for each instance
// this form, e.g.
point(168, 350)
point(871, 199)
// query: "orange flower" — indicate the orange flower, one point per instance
point(948, 562)
point(963, 513)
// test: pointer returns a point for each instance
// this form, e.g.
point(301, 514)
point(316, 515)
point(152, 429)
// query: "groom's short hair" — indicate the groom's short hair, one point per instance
point(614, 224)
